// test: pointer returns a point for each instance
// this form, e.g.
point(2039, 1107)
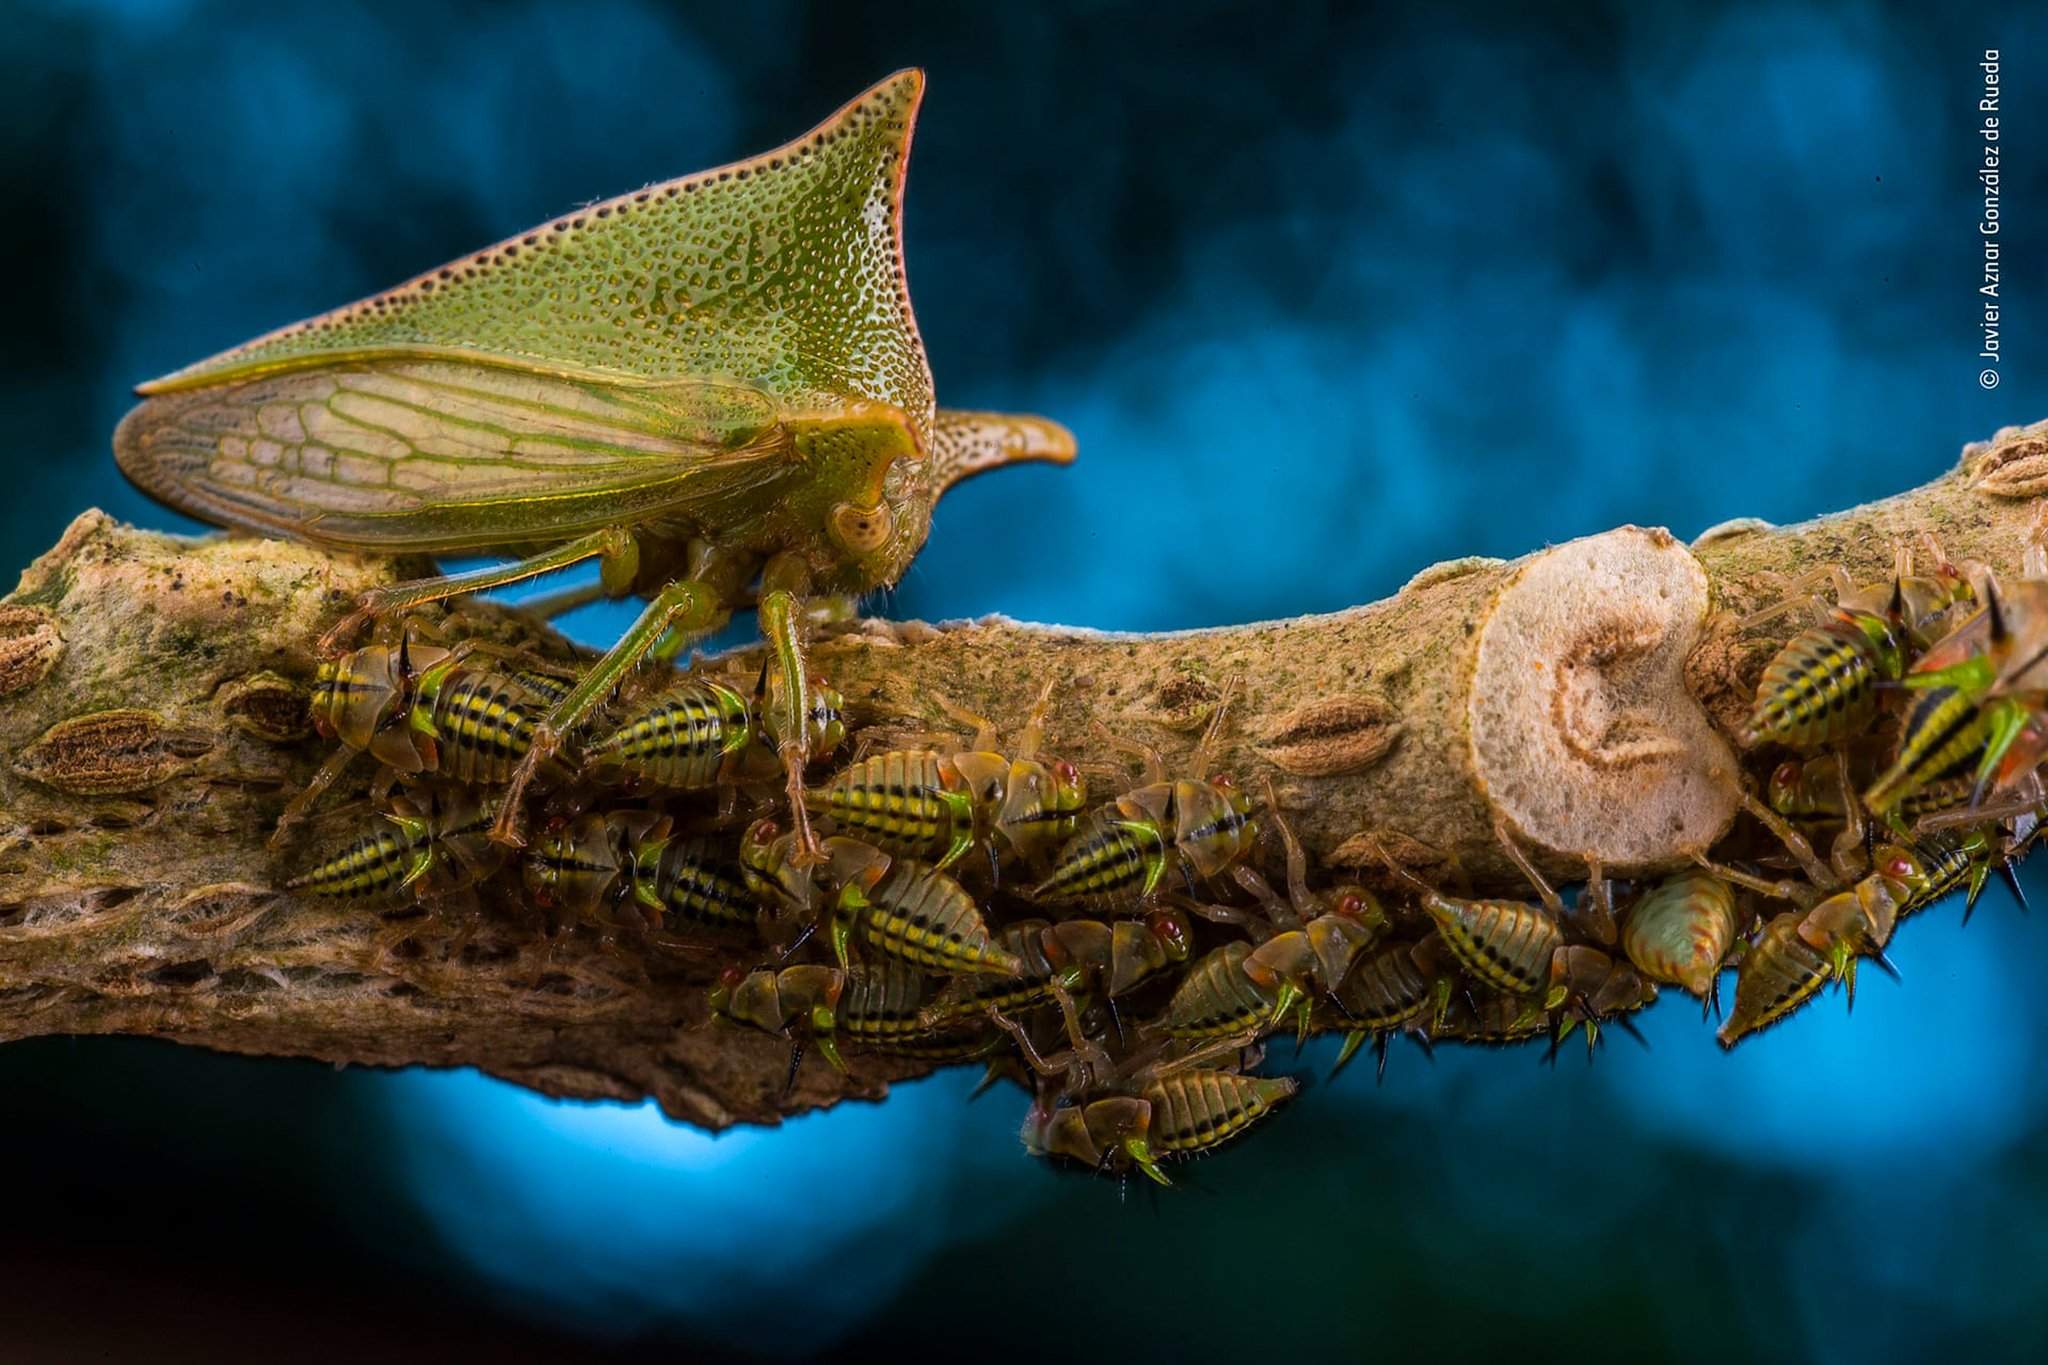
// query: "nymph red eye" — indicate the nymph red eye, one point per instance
point(1223, 781)
point(1066, 772)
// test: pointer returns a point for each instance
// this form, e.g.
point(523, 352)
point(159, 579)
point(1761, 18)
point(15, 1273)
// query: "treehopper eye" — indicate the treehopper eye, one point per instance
point(727, 361)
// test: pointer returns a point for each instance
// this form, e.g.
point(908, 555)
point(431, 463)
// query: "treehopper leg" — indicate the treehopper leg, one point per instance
point(337, 763)
point(984, 729)
point(784, 582)
point(615, 547)
point(685, 605)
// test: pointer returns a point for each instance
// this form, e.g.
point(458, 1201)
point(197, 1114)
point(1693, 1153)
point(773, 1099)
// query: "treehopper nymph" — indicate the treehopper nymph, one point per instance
point(714, 387)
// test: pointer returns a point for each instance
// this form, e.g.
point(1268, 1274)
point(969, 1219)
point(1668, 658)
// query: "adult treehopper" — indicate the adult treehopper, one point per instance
point(714, 387)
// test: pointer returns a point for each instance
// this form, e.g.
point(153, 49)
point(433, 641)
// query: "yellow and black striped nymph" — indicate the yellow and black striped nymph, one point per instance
point(1944, 736)
point(1111, 863)
point(1197, 1110)
point(1385, 990)
point(379, 866)
point(972, 997)
point(1506, 944)
point(1947, 862)
point(883, 1005)
point(1822, 686)
point(586, 869)
point(482, 723)
point(907, 802)
point(917, 914)
point(682, 741)
point(1780, 973)
point(1217, 1000)
point(695, 881)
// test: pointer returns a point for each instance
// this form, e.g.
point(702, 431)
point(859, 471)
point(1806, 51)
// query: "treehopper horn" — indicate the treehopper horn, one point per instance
point(714, 386)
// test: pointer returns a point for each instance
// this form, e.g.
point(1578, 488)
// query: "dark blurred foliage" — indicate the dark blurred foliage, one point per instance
point(1327, 294)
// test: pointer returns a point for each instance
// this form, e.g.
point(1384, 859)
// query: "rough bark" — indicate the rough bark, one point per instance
point(152, 723)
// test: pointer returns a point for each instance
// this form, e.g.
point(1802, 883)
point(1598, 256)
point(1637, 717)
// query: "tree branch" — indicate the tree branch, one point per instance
point(152, 718)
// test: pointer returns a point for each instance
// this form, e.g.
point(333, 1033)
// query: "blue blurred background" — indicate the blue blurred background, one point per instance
point(1327, 295)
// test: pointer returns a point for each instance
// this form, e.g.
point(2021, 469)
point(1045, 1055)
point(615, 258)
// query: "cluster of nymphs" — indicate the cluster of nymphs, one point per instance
point(1125, 957)
point(1915, 711)
point(1122, 958)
